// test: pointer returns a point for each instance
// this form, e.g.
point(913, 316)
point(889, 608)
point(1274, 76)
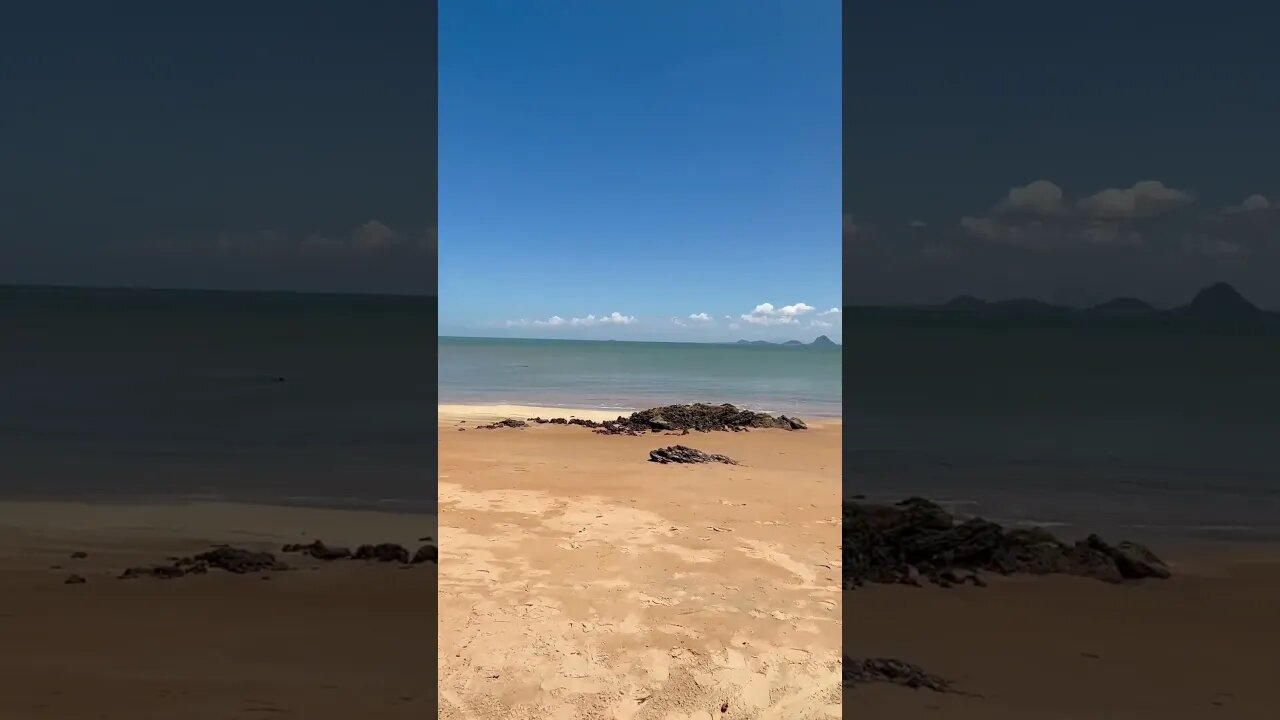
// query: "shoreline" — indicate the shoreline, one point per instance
point(461, 411)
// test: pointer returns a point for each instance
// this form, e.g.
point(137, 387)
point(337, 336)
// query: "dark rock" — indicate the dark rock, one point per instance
point(237, 560)
point(427, 553)
point(897, 672)
point(74, 580)
point(916, 540)
point(319, 551)
point(383, 552)
point(684, 454)
point(79, 555)
point(697, 417)
point(508, 423)
point(1133, 560)
point(163, 572)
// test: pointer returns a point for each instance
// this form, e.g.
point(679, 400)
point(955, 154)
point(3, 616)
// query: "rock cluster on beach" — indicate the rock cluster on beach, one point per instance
point(508, 423)
point(685, 454)
point(223, 557)
point(241, 561)
point(896, 672)
point(698, 417)
point(381, 552)
point(917, 541)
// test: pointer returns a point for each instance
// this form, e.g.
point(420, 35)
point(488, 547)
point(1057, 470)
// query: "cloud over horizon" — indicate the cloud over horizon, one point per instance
point(556, 321)
point(766, 314)
point(1150, 238)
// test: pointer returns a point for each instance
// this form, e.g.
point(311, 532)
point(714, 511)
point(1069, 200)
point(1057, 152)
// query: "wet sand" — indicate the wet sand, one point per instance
point(579, 580)
point(1200, 645)
point(345, 640)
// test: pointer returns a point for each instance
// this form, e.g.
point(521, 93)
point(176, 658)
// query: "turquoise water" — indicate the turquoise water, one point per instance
point(636, 375)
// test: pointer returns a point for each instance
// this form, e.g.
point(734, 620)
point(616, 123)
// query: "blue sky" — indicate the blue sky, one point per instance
point(675, 163)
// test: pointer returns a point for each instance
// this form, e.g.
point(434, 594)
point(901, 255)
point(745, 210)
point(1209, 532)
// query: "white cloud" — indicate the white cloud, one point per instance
point(832, 311)
point(1037, 217)
point(1040, 197)
point(613, 318)
point(617, 318)
point(1146, 198)
point(373, 236)
point(819, 324)
point(701, 317)
point(679, 322)
point(734, 326)
point(767, 314)
point(1253, 203)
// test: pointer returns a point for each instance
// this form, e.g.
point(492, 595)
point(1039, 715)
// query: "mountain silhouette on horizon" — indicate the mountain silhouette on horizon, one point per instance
point(820, 341)
point(1125, 305)
point(1217, 300)
point(1216, 304)
point(1220, 301)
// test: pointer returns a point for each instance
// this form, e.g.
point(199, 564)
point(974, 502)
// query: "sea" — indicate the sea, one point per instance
point(140, 395)
point(627, 376)
point(1128, 427)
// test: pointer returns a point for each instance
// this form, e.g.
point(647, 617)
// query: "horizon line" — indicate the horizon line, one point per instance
point(239, 291)
point(662, 342)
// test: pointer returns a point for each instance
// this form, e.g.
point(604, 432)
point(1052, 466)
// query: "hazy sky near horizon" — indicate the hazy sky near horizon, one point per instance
point(640, 170)
point(1069, 153)
point(267, 146)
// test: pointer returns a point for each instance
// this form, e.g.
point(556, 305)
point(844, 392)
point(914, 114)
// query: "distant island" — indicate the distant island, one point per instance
point(820, 341)
point(1218, 304)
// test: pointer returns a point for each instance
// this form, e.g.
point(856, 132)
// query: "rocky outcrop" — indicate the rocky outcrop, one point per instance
point(319, 551)
point(685, 454)
point(896, 672)
point(235, 560)
point(507, 423)
point(383, 552)
point(916, 541)
point(677, 418)
point(223, 557)
point(241, 561)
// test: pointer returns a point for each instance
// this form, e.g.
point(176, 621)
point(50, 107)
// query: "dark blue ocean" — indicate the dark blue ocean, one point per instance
point(309, 399)
point(1122, 426)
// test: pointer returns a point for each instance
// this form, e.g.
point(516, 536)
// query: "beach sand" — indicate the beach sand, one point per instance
point(1200, 645)
point(347, 640)
point(579, 580)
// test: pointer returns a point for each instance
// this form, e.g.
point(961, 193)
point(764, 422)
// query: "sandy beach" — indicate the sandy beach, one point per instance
point(1199, 645)
point(579, 580)
point(324, 640)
